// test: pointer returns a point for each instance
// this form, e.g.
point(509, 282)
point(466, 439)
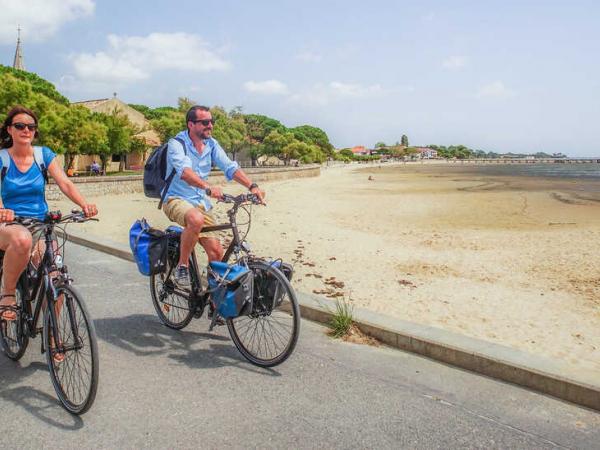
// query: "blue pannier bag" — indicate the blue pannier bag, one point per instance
point(149, 247)
point(231, 287)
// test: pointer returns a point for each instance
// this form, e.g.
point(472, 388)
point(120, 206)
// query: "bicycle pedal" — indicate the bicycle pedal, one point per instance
point(215, 320)
point(198, 313)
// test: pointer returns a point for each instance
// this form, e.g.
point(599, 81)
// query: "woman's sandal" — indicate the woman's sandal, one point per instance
point(58, 357)
point(8, 313)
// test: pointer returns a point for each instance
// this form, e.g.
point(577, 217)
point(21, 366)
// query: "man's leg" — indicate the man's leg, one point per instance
point(194, 221)
point(212, 247)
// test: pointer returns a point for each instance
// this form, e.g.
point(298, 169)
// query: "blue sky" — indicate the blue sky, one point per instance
point(520, 76)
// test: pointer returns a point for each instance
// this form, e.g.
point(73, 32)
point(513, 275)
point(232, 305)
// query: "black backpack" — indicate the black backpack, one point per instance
point(156, 181)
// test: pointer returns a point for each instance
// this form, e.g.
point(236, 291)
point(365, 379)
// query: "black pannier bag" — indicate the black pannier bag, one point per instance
point(267, 289)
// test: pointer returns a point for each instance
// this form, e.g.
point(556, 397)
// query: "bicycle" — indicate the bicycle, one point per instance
point(68, 333)
point(265, 334)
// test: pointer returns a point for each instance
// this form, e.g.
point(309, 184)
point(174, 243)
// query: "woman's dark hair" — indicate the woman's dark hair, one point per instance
point(5, 138)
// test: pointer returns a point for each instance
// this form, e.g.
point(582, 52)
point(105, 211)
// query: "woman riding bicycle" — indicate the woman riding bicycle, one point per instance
point(23, 183)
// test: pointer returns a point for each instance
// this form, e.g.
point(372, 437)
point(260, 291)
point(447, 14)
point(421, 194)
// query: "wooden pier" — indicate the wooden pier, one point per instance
point(527, 161)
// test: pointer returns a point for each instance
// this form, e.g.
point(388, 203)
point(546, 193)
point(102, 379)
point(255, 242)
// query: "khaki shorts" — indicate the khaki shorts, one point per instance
point(176, 209)
point(36, 234)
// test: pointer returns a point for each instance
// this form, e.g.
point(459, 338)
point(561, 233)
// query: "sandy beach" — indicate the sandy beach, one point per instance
point(511, 260)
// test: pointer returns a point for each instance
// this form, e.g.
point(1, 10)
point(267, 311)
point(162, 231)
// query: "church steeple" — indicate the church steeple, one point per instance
point(18, 62)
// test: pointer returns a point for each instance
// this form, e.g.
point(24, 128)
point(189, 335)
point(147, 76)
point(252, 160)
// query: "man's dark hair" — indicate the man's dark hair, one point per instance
point(191, 114)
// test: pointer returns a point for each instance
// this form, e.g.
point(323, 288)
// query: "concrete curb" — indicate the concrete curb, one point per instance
point(544, 375)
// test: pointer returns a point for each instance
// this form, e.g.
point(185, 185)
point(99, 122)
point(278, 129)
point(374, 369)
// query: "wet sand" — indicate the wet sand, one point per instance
point(511, 260)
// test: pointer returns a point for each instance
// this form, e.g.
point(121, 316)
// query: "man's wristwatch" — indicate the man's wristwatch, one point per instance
point(252, 186)
point(208, 191)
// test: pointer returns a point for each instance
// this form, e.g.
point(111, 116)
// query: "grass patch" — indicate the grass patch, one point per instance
point(343, 326)
point(342, 319)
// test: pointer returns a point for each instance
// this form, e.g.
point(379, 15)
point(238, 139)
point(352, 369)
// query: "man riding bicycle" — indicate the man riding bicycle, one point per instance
point(192, 154)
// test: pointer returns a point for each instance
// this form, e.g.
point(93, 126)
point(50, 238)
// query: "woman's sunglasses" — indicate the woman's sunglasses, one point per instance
point(21, 126)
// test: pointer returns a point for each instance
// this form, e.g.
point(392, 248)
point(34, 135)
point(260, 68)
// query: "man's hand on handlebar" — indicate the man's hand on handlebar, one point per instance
point(6, 215)
point(259, 194)
point(89, 209)
point(215, 192)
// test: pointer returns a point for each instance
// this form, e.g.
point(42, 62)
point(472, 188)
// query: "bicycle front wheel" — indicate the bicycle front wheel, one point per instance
point(268, 335)
point(73, 360)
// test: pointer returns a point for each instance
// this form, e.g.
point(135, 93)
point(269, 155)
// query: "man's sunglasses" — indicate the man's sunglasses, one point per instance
point(204, 122)
point(21, 126)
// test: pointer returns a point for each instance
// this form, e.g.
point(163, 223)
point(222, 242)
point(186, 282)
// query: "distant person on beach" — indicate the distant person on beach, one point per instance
point(95, 168)
point(187, 198)
point(25, 170)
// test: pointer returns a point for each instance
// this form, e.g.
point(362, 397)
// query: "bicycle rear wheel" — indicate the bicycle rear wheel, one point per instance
point(75, 378)
point(14, 334)
point(172, 304)
point(268, 335)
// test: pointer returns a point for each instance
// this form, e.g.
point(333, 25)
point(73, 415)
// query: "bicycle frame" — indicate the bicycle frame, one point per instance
point(44, 291)
point(235, 246)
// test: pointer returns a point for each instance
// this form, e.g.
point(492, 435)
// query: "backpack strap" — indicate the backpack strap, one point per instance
point(38, 155)
point(5, 158)
point(171, 175)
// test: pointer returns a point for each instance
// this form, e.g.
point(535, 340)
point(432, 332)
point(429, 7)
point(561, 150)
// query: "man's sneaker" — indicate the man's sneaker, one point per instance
point(182, 277)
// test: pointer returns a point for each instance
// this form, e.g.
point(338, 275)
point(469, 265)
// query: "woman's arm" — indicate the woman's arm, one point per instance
point(69, 189)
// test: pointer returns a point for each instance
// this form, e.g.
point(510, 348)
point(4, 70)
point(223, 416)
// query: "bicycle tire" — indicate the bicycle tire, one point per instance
point(270, 313)
point(173, 310)
point(14, 336)
point(70, 375)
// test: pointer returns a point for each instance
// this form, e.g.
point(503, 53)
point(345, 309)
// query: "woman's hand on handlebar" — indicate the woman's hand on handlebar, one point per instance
point(6, 215)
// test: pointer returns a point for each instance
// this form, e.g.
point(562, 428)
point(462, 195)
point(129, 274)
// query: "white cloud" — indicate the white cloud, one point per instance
point(454, 62)
point(497, 89)
point(309, 57)
point(39, 19)
point(322, 94)
point(133, 58)
point(275, 87)
point(354, 90)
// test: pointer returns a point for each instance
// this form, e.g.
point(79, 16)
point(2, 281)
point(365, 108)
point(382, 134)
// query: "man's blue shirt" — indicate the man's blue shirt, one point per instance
point(177, 159)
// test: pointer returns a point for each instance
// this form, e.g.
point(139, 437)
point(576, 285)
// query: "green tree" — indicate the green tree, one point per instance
point(404, 140)
point(315, 136)
point(119, 133)
point(380, 145)
point(184, 104)
point(259, 127)
point(276, 142)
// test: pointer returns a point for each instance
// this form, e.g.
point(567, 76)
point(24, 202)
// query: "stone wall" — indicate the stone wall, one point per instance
point(96, 186)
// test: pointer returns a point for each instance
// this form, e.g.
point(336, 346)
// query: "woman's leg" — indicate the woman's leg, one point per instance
point(15, 240)
point(37, 254)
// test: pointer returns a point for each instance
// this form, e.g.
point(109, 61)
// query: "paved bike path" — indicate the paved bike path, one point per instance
point(165, 389)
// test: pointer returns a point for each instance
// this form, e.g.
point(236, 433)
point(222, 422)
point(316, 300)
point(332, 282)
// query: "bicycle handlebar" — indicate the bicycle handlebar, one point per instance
point(239, 199)
point(54, 217)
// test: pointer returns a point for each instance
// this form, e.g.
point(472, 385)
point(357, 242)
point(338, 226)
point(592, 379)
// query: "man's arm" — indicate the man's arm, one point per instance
point(241, 177)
